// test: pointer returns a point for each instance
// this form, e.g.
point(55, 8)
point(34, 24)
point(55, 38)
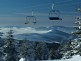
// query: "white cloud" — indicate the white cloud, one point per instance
point(28, 30)
point(23, 30)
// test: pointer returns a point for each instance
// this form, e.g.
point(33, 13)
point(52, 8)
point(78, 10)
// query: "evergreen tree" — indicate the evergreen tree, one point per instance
point(67, 50)
point(24, 49)
point(73, 46)
point(78, 25)
point(41, 51)
point(9, 50)
point(27, 50)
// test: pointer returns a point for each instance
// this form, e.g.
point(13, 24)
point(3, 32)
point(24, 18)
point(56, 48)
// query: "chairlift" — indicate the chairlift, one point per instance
point(30, 19)
point(54, 14)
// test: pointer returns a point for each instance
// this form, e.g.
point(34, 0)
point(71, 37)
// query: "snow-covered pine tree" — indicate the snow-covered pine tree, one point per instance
point(24, 49)
point(78, 25)
point(27, 50)
point(73, 47)
point(9, 50)
point(32, 50)
point(67, 50)
point(78, 31)
point(41, 51)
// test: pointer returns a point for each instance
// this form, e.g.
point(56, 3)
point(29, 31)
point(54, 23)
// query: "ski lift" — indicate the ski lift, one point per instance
point(30, 19)
point(54, 14)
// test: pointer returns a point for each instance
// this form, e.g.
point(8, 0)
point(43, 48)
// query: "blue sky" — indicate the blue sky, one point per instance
point(14, 12)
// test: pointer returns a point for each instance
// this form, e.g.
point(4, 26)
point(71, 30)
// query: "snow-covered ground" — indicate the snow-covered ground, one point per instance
point(22, 59)
point(74, 58)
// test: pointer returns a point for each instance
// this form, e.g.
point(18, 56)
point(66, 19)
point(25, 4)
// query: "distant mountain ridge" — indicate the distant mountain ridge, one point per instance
point(56, 33)
point(61, 28)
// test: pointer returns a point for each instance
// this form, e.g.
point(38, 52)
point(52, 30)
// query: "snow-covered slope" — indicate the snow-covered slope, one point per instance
point(74, 58)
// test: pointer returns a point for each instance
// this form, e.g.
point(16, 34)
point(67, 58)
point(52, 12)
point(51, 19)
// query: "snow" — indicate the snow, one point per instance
point(74, 58)
point(22, 59)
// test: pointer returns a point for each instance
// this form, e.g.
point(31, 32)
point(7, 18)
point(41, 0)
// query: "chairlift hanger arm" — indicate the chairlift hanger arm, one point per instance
point(53, 6)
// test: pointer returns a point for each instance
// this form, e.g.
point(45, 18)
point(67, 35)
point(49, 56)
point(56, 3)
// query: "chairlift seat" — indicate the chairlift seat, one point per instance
point(34, 22)
point(55, 18)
